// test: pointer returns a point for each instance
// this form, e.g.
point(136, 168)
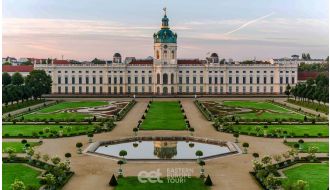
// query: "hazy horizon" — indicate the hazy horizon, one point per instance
point(99, 28)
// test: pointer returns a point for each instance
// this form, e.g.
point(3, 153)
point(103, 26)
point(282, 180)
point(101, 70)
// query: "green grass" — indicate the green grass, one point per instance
point(24, 173)
point(316, 175)
point(54, 111)
point(71, 105)
point(164, 116)
point(323, 146)
point(266, 111)
point(255, 105)
point(298, 130)
point(130, 183)
point(18, 146)
point(27, 130)
point(57, 116)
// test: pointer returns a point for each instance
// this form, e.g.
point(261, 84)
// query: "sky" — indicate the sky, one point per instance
point(237, 29)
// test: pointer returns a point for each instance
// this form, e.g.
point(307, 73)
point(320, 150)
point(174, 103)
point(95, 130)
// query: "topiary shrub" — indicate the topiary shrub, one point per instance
point(113, 181)
point(208, 181)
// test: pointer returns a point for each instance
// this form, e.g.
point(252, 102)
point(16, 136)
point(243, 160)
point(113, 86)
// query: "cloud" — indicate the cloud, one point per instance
point(249, 22)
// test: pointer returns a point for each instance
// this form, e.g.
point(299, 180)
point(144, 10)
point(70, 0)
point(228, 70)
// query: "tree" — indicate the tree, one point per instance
point(236, 135)
point(123, 153)
point(272, 182)
point(6, 79)
point(39, 83)
point(17, 79)
point(45, 157)
point(135, 130)
point(56, 160)
point(245, 145)
point(113, 181)
point(202, 164)
point(199, 153)
point(208, 181)
point(287, 90)
point(120, 170)
point(50, 181)
point(301, 142)
point(255, 155)
point(67, 156)
point(17, 185)
point(79, 145)
point(90, 136)
point(191, 131)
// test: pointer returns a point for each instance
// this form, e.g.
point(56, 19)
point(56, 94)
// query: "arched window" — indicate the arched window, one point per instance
point(165, 54)
point(172, 54)
point(172, 78)
point(165, 78)
point(157, 54)
point(158, 78)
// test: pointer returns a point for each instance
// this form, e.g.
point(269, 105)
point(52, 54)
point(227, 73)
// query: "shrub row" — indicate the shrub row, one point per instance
point(204, 110)
point(125, 110)
point(311, 105)
point(13, 107)
point(10, 117)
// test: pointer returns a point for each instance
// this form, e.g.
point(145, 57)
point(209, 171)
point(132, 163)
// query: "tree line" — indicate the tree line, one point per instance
point(314, 67)
point(311, 90)
point(17, 88)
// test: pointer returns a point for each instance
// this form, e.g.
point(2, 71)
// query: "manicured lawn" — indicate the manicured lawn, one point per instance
point(24, 173)
point(164, 116)
point(323, 146)
point(71, 105)
point(130, 183)
point(263, 111)
point(58, 111)
point(255, 105)
point(18, 146)
point(56, 116)
point(316, 175)
point(28, 130)
point(293, 130)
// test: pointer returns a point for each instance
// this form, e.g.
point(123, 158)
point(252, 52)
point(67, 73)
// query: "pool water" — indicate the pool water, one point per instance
point(162, 150)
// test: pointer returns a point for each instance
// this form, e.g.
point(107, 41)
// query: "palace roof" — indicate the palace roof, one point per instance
point(19, 68)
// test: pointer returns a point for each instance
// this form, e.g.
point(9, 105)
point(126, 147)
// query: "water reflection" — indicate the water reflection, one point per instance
point(165, 149)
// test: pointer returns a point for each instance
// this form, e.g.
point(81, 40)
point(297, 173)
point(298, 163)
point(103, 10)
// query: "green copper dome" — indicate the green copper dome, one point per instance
point(165, 35)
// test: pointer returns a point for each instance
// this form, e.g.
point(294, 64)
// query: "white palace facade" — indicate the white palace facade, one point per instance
point(164, 74)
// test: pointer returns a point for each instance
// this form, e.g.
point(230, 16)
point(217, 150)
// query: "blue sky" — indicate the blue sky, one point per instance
point(239, 29)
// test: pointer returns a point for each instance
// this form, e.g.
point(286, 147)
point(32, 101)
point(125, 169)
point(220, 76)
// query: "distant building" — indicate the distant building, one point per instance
point(165, 74)
point(296, 60)
point(11, 60)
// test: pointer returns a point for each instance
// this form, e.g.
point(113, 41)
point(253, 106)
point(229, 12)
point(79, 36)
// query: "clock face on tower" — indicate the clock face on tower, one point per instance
point(165, 46)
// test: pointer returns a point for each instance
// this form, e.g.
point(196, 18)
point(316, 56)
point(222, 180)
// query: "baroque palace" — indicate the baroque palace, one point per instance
point(165, 74)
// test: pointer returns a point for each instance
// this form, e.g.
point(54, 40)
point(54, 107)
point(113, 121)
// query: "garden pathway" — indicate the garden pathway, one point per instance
point(283, 101)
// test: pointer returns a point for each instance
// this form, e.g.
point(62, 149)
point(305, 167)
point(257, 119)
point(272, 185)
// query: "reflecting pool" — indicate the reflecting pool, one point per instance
point(162, 150)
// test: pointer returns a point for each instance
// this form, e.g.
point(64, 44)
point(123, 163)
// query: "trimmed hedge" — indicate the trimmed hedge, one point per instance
point(285, 164)
point(311, 105)
point(125, 110)
point(204, 110)
point(20, 105)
